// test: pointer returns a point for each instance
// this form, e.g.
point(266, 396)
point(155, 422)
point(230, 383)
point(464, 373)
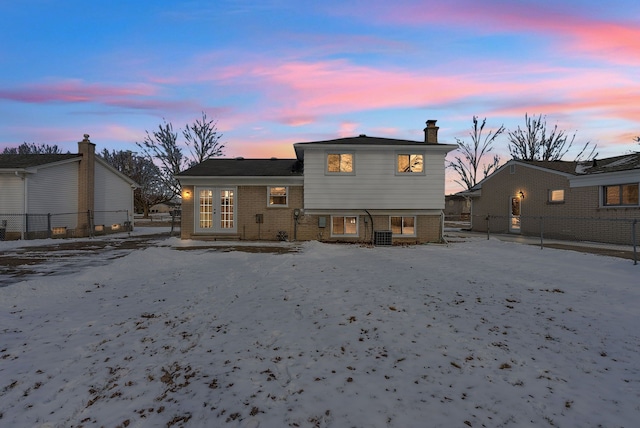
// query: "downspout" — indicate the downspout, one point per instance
point(371, 221)
point(442, 238)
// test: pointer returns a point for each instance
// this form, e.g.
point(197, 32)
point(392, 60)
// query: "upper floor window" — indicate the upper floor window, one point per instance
point(556, 196)
point(410, 163)
point(277, 196)
point(340, 163)
point(620, 194)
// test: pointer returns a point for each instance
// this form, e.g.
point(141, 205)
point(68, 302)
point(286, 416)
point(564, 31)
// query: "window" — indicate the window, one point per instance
point(226, 209)
point(556, 196)
point(344, 226)
point(410, 163)
point(277, 196)
point(340, 162)
point(620, 194)
point(403, 226)
point(206, 208)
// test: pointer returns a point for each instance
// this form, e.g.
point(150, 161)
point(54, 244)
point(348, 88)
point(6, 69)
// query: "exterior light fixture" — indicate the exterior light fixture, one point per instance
point(186, 194)
point(521, 194)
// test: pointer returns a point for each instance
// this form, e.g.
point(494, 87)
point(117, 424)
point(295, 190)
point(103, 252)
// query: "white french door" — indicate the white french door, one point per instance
point(215, 210)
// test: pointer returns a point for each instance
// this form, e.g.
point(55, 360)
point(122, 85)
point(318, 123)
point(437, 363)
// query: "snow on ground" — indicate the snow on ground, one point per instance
point(481, 333)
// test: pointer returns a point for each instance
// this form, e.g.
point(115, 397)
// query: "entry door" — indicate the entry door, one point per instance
point(514, 218)
point(216, 210)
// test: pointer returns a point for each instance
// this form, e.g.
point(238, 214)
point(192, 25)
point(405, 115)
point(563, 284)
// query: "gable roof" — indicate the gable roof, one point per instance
point(365, 140)
point(240, 167)
point(22, 161)
point(558, 166)
point(593, 167)
point(613, 164)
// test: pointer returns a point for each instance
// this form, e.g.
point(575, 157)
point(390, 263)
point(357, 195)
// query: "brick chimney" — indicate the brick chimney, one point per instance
point(86, 184)
point(431, 132)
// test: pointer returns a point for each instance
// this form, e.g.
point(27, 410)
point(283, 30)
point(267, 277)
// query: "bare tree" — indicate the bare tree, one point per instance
point(474, 154)
point(32, 149)
point(203, 139)
point(535, 142)
point(162, 148)
point(146, 174)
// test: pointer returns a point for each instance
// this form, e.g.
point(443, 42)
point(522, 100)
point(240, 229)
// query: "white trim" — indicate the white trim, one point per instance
point(286, 196)
point(606, 178)
point(212, 181)
point(215, 220)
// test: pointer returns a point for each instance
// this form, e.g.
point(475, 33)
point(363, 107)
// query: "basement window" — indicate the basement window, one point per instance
point(403, 226)
point(344, 226)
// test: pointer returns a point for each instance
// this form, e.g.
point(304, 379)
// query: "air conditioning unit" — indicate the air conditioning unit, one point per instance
point(382, 237)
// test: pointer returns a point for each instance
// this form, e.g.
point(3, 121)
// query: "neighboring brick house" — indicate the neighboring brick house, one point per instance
point(73, 194)
point(347, 189)
point(593, 201)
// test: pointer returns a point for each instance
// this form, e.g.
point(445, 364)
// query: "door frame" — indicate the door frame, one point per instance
point(217, 208)
point(515, 214)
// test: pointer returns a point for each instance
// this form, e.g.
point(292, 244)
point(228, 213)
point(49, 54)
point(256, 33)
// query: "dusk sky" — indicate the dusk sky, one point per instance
point(277, 72)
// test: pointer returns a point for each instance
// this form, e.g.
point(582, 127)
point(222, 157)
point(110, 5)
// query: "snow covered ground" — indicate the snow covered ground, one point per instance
point(480, 333)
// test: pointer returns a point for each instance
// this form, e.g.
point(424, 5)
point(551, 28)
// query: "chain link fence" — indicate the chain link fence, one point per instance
point(63, 225)
point(609, 233)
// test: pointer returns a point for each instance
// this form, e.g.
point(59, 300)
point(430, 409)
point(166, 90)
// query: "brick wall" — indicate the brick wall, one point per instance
point(579, 217)
point(252, 201)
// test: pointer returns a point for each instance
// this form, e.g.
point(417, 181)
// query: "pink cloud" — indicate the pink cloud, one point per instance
point(136, 96)
point(73, 91)
point(338, 86)
point(348, 129)
point(572, 28)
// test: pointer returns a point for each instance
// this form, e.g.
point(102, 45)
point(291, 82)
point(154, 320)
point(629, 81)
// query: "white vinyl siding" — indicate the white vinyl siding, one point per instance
point(11, 191)
point(11, 201)
point(112, 193)
point(375, 185)
point(54, 190)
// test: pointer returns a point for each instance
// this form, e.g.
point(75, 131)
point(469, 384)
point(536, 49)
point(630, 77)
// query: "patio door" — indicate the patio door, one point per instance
point(514, 217)
point(215, 210)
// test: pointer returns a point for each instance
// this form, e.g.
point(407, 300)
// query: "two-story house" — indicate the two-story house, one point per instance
point(347, 189)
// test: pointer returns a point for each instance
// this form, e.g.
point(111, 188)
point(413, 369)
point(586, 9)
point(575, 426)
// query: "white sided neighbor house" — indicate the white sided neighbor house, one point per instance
point(358, 189)
point(62, 195)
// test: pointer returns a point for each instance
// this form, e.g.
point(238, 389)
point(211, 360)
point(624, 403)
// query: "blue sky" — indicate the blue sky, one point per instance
point(277, 72)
